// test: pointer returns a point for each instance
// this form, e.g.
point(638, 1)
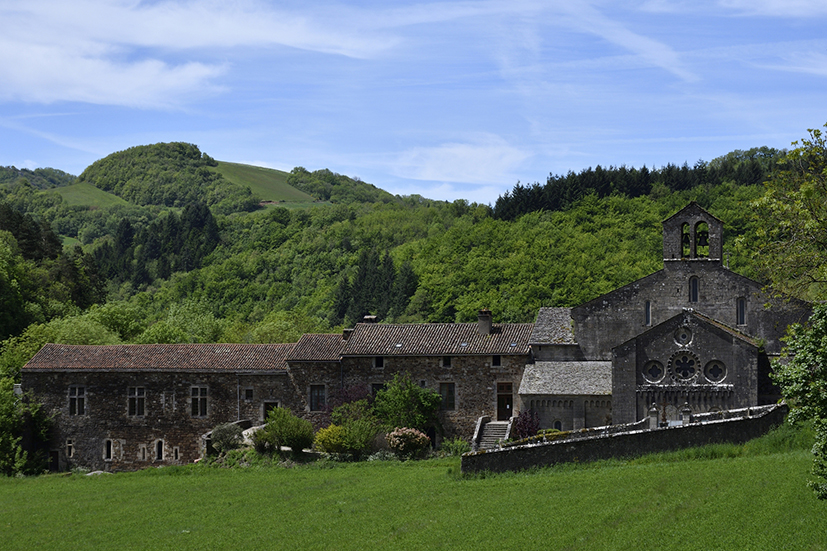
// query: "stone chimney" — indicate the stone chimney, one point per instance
point(484, 321)
point(346, 333)
point(369, 319)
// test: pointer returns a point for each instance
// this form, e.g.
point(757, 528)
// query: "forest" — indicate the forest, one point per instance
point(185, 256)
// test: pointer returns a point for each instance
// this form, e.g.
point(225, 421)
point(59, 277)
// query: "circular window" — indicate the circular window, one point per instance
point(683, 336)
point(653, 371)
point(715, 371)
point(684, 367)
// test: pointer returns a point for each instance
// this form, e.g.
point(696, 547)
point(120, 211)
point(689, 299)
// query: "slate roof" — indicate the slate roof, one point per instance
point(437, 339)
point(553, 326)
point(317, 348)
point(179, 357)
point(567, 378)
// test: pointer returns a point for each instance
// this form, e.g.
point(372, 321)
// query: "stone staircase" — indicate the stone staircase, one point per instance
point(492, 433)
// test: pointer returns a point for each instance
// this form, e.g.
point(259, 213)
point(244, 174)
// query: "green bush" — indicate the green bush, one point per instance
point(455, 446)
point(332, 439)
point(403, 403)
point(283, 429)
point(226, 437)
point(407, 443)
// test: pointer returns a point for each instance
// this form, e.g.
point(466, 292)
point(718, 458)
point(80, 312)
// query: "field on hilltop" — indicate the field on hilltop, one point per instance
point(87, 195)
point(720, 497)
point(267, 183)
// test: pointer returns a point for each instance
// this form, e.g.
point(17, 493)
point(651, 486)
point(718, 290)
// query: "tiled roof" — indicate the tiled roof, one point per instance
point(726, 328)
point(318, 348)
point(437, 339)
point(201, 357)
point(567, 378)
point(553, 326)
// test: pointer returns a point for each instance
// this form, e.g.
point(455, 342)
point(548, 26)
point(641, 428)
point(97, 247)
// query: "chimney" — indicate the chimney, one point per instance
point(346, 333)
point(369, 319)
point(484, 321)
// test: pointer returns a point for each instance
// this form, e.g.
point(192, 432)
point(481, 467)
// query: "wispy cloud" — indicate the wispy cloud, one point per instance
point(778, 8)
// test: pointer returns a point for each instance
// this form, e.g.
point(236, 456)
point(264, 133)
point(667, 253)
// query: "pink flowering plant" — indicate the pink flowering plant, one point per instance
point(407, 443)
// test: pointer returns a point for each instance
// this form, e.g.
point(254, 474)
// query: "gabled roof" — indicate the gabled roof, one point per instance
point(704, 319)
point(151, 357)
point(692, 208)
point(553, 326)
point(317, 348)
point(567, 378)
point(437, 339)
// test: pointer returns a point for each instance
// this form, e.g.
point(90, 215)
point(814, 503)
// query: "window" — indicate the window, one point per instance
point(77, 400)
point(741, 311)
point(693, 289)
point(558, 425)
point(375, 388)
point(447, 391)
point(317, 397)
point(379, 362)
point(142, 452)
point(136, 400)
point(647, 314)
point(159, 450)
point(446, 361)
point(107, 450)
point(199, 401)
point(248, 394)
point(496, 361)
point(70, 448)
point(701, 240)
point(175, 453)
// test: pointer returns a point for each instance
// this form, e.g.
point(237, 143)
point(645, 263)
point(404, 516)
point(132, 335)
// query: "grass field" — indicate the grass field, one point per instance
point(85, 194)
point(267, 183)
point(715, 498)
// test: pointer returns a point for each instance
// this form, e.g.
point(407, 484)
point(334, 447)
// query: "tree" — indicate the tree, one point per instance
point(803, 381)
point(402, 403)
point(792, 222)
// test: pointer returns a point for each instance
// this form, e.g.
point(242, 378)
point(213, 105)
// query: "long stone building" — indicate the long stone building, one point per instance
point(691, 333)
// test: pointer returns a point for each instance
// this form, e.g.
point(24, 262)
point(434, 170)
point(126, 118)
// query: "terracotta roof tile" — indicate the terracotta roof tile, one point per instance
point(437, 339)
point(318, 348)
point(201, 357)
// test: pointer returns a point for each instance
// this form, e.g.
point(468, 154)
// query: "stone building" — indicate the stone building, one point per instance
point(131, 406)
point(693, 332)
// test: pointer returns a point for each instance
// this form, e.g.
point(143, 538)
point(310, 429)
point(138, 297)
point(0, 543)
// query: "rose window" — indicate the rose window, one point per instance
point(715, 371)
point(684, 367)
point(683, 336)
point(653, 371)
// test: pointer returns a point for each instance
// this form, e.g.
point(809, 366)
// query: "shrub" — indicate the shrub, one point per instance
point(332, 439)
point(407, 443)
point(402, 403)
point(226, 437)
point(455, 446)
point(527, 424)
point(283, 429)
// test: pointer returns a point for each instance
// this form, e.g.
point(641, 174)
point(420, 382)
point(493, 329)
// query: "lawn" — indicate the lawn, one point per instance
point(669, 501)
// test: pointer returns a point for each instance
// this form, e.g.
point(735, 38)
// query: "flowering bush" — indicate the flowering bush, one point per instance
point(407, 443)
point(527, 424)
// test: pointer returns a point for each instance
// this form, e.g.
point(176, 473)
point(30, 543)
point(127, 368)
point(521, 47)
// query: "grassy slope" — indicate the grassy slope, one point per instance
point(86, 194)
point(755, 502)
point(267, 183)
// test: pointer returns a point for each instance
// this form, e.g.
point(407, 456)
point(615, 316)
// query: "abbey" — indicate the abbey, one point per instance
point(693, 334)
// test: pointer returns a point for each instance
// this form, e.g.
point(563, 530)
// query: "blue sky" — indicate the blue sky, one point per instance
point(444, 99)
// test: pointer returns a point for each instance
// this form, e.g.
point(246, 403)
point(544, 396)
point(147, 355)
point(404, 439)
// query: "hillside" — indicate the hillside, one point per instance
point(87, 195)
point(39, 178)
point(267, 183)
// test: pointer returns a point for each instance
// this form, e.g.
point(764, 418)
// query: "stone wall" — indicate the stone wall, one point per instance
point(627, 444)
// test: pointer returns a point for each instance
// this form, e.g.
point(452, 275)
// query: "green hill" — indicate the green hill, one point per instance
point(267, 183)
point(87, 195)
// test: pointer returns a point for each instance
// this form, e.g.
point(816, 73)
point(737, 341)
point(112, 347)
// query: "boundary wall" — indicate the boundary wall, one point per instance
point(736, 427)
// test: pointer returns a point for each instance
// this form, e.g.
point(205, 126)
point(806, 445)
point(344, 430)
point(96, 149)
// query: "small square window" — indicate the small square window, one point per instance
point(376, 387)
point(248, 394)
point(379, 362)
point(446, 361)
point(496, 360)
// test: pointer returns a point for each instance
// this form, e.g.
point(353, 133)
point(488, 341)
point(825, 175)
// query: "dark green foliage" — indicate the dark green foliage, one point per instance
point(226, 437)
point(40, 178)
point(527, 424)
point(24, 432)
point(283, 429)
point(36, 240)
point(170, 174)
point(455, 446)
point(325, 185)
point(403, 403)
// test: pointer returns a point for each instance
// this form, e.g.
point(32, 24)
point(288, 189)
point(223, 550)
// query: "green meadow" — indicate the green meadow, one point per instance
point(267, 183)
point(719, 497)
point(85, 194)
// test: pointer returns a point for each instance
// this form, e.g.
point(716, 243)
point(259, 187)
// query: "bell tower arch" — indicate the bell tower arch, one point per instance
point(693, 234)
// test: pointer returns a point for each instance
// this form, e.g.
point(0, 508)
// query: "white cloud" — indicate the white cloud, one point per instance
point(489, 160)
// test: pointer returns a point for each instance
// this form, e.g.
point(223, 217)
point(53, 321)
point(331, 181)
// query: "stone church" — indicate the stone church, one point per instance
point(691, 333)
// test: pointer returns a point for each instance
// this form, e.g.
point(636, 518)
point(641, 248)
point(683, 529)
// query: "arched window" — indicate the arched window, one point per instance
point(558, 425)
point(647, 313)
point(693, 289)
point(701, 240)
point(107, 450)
point(159, 450)
point(741, 311)
point(686, 242)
